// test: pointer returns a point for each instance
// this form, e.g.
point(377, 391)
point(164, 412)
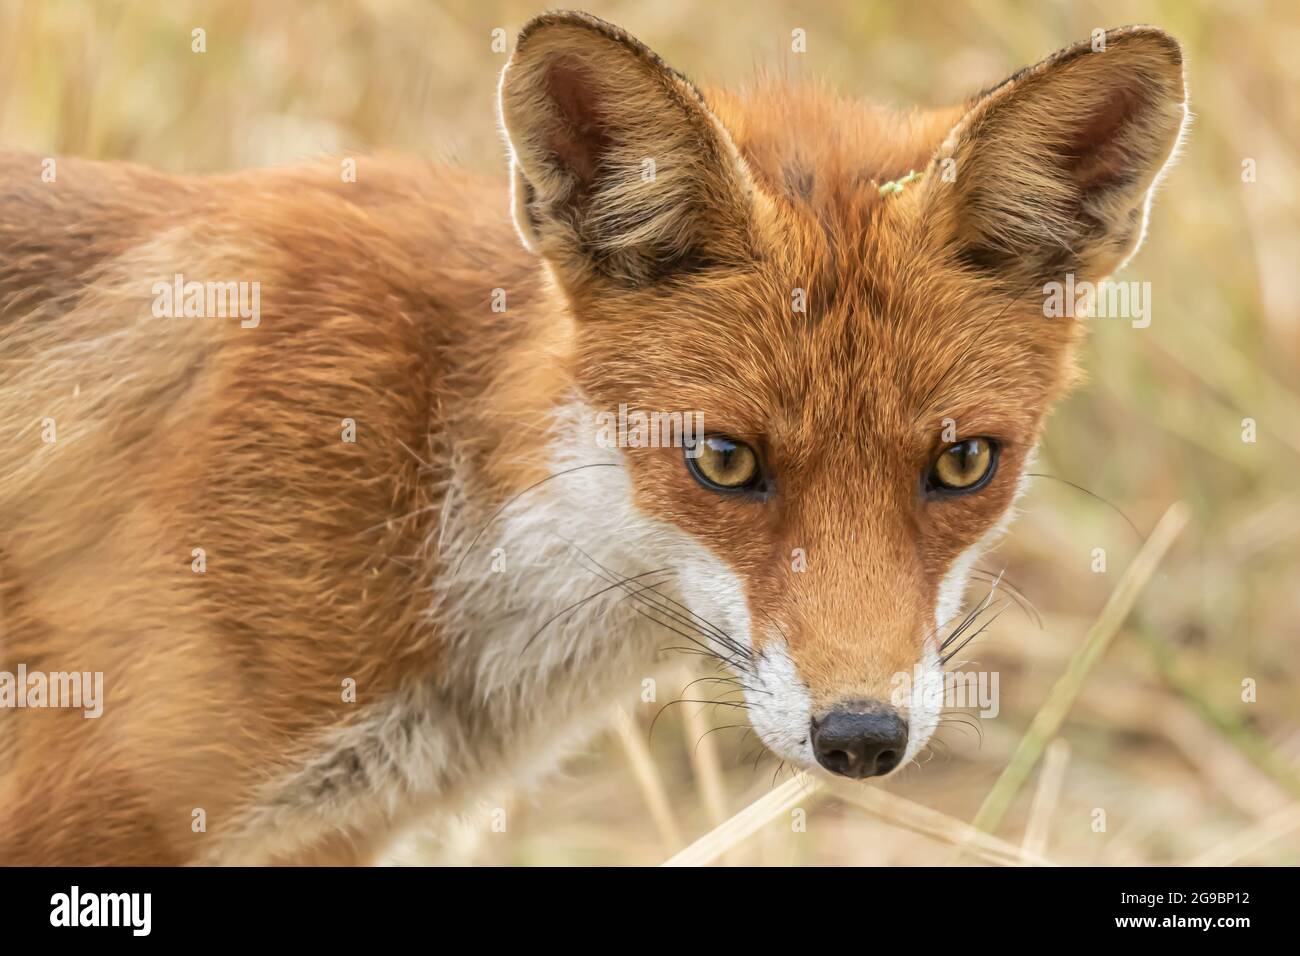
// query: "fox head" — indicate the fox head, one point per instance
point(853, 300)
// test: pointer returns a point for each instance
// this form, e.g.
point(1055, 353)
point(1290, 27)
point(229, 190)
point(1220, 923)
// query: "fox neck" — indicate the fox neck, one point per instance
point(548, 610)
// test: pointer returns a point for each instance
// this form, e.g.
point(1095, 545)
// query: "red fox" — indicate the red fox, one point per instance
point(308, 469)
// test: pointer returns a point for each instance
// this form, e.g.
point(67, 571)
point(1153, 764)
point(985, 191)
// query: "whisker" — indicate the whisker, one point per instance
point(973, 616)
point(537, 484)
point(720, 635)
point(1022, 599)
point(684, 622)
point(972, 725)
point(706, 629)
point(965, 625)
point(933, 746)
point(714, 730)
point(638, 594)
point(703, 647)
point(1092, 494)
point(776, 773)
point(982, 629)
point(590, 597)
point(728, 680)
point(659, 713)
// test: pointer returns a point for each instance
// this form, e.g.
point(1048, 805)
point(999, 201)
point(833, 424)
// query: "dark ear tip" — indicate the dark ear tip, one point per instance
point(1158, 56)
point(569, 18)
point(1150, 37)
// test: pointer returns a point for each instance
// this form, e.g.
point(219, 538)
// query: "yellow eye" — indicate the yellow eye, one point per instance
point(964, 466)
point(720, 463)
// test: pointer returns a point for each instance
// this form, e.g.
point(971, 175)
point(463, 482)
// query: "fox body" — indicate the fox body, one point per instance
point(363, 557)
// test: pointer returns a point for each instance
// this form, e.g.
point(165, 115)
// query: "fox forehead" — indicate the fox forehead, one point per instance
point(894, 351)
point(883, 348)
point(847, 317)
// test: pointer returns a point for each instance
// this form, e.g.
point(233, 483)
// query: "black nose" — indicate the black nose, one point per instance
point(860, 739)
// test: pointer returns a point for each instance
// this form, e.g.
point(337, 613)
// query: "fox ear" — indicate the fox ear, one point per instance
point(620, 171)
point(1052, 171)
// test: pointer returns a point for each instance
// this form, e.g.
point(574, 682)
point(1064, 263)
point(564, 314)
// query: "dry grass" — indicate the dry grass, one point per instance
point(1159, 736)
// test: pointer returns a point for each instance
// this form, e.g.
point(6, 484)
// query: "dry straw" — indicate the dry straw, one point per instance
point(648, 777)
point(1047, 722)
point(742, 826)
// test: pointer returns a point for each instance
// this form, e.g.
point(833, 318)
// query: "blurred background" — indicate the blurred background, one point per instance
point(1186, 734)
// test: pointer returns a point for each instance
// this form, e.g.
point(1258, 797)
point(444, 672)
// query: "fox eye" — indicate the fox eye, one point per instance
point(964, 466)
point(723, 464)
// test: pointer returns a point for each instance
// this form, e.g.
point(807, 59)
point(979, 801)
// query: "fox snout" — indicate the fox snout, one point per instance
point(859, 739)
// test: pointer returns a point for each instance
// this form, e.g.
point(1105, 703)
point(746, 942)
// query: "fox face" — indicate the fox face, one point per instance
point(852, 300)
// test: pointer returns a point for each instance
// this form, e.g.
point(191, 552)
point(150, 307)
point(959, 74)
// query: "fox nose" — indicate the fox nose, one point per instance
point(860, 739)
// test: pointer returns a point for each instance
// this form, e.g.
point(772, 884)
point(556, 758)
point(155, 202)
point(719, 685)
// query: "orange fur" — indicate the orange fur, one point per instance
point(175, 434)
